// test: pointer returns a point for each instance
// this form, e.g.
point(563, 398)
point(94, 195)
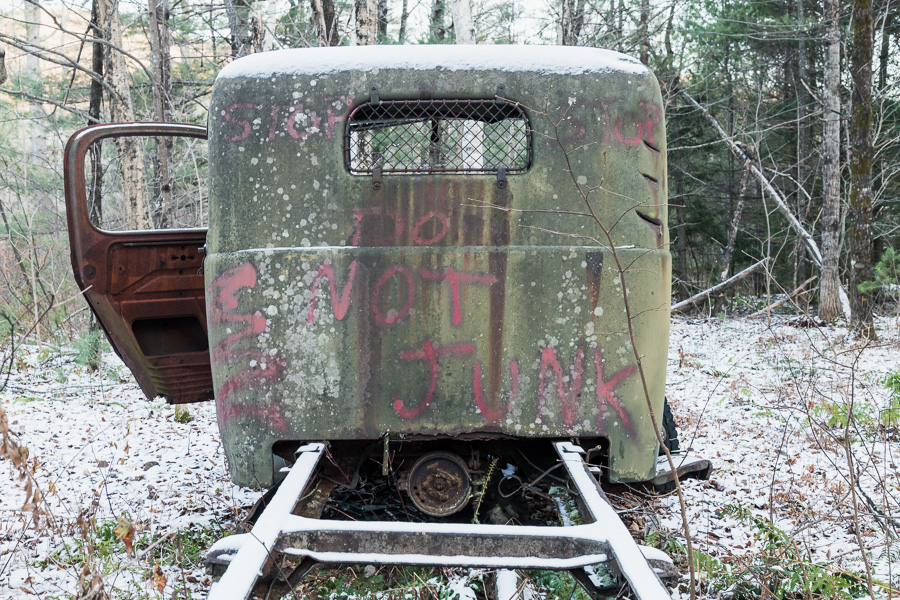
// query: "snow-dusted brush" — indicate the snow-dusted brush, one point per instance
point(435, 280)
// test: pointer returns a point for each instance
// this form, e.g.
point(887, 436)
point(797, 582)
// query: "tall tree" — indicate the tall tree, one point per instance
point(366, 17)
point(571, 22)
point(437, 28)
point(830, 284)
point(325, 22)
point(240, 24)
point(121, 110)
point(161, 62)
point(37, 134)
point(463, 26)
point(861, 225)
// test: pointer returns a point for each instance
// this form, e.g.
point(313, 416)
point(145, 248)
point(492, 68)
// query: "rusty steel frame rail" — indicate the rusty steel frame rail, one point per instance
point(572, 548)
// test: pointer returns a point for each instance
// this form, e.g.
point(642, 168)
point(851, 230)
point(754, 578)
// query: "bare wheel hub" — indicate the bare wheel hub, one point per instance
point(439, 484)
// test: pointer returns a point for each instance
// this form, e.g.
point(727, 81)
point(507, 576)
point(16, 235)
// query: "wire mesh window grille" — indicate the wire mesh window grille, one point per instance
point(437, 136)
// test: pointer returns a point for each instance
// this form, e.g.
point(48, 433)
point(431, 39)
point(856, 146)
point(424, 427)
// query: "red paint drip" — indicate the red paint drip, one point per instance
point(489, 413)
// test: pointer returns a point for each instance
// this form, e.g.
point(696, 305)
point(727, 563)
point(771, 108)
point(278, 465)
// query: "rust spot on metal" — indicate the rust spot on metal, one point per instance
point(499, 237)
point(439, 484)
point(594, 272)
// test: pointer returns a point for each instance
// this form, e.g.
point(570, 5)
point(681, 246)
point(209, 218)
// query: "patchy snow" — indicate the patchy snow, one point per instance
point(561, 60)
point(755, 399)
point(106, 452)
point(751, 397)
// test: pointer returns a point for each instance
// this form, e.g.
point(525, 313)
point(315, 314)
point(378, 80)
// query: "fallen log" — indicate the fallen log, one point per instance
point(690, 302)
point(811, 246)
point(790, 296)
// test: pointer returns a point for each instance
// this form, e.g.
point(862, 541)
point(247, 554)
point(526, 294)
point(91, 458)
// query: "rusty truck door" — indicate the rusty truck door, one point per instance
point(145, 287)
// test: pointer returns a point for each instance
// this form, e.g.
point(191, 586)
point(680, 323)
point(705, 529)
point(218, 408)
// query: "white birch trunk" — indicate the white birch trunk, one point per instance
point(37, 136)
point(366, 30)
point(829, 286)
point(461, 12)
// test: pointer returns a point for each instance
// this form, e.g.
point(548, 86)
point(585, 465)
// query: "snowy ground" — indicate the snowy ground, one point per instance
point(756, 399)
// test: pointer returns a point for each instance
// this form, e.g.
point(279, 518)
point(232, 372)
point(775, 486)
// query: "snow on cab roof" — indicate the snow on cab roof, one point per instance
point(560, 60)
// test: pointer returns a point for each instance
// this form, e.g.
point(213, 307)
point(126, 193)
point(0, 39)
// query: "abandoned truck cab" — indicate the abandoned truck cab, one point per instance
point(432, 258)
point(398, 245)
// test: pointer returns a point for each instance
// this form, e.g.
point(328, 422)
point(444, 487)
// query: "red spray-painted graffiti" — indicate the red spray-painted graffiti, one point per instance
point(606, 388)
point(568, 388)
point(622, 122)
point(455, 278)
point(569, 398)
point(488, 412)
point(294, 120)
point(339, 305)
point(430, 353)
point(340, 301)
point(399, 227)
point(267, 366)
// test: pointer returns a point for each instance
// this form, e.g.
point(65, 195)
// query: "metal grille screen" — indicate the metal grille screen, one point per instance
point(437, 136)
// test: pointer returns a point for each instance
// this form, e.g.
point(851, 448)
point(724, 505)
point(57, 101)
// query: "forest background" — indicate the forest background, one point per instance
point(782, 116)
point(783, 122)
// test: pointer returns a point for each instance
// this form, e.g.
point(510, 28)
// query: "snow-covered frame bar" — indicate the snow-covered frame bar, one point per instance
point(603, 538)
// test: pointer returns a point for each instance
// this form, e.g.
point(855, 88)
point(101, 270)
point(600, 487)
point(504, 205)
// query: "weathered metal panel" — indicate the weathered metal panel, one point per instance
point(145, 287)
point(345, 307)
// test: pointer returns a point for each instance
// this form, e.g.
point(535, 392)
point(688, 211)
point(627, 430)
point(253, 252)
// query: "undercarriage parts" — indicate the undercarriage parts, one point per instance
point(602, 538)
point(439, 484)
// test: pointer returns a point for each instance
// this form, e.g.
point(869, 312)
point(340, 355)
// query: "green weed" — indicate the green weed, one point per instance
point(89, 347)
point(778, 570)
point(182, 414)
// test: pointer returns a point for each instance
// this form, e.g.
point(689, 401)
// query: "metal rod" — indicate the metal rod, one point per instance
point(247, 564)
point(644, 582)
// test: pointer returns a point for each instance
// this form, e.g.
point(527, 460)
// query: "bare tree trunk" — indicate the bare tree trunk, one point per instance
point(690, 302)
point(862, 150)
point(366, 22)
point(735, 224)
point(382, 21)
point(323, 16)
point(564, 34)
point(404, 16)
point(121, 110)
point(884, 55)
point(3, 75)
point(461, 12)
point(643, 32)
point(800, 76)
point(829, 285)
point(438, 30)
point(239, 17)
point(94, 197)
point(732, 236)
point(620, 26)
point(162, 104)
point(95, 205)
point(266, 21)
point(767, 186)
point(37, 136)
